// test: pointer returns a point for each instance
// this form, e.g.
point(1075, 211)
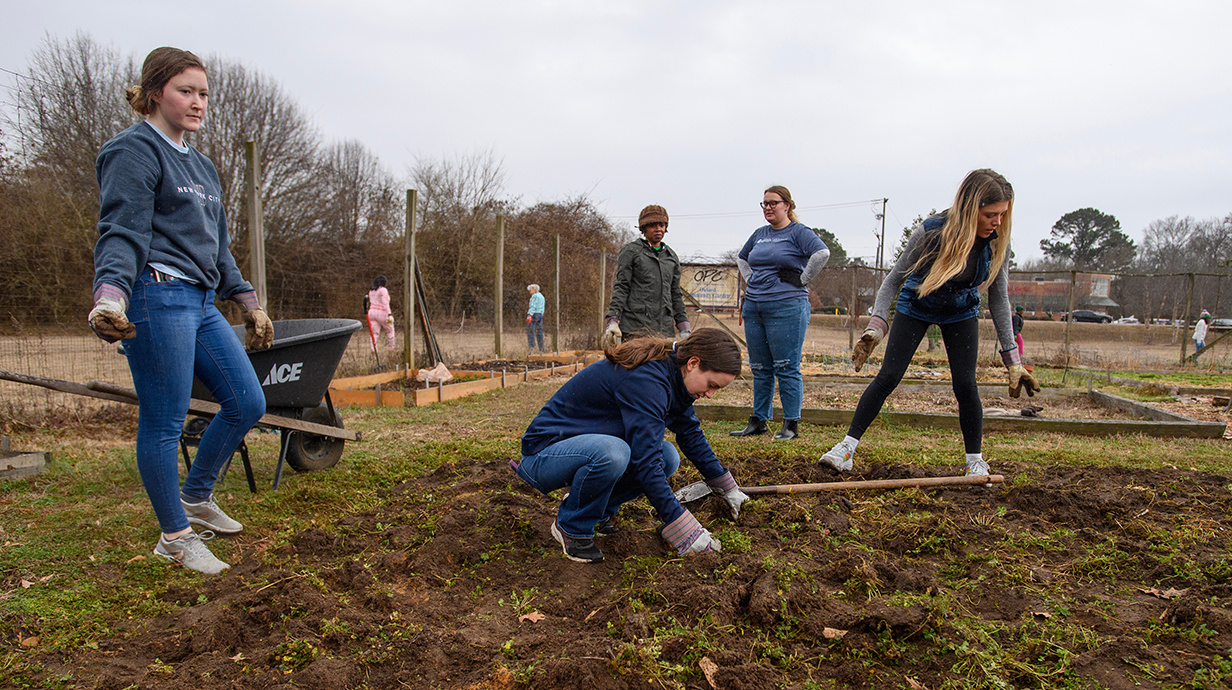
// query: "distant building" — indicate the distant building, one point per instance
point(1046, 295)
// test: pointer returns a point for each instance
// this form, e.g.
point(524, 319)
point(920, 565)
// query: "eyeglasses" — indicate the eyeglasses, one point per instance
point(771, 204)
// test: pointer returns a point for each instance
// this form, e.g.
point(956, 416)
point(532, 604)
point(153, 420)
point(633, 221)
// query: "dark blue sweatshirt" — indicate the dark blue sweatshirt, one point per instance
point(159, 205)
point(636, 405)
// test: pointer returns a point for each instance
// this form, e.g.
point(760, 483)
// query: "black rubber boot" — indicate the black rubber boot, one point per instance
point(756, 427)
point(790, 430)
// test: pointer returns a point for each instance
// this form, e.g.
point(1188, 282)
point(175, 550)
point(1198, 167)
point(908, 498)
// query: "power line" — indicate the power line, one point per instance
point(741, 214)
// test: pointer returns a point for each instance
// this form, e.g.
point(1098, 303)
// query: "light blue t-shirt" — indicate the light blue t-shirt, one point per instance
point(536, 303)
point(768, 250)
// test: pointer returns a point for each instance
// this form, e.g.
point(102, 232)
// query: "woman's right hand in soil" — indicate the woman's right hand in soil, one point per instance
point(108, 321)
point(865, 346)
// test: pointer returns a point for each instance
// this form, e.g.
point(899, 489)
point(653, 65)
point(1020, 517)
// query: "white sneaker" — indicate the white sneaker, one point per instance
point(977, 468)
point(191, 552)
point(839, 457)
point(207, 514)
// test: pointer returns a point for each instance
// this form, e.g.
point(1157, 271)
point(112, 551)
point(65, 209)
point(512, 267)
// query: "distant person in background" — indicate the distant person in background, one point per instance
point(937, 280)
point(646, 298)
point(534, 317)
point(1199, 334)
point(161, 259)
point(777, 262)
point(1017, 321)
point(379, 317)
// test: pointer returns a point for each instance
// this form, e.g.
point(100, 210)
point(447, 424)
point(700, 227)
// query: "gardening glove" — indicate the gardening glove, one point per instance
point(390, 321)
point(612, 334)
point(791, 276)
point(685, 329)
point(107, 318)
point(530, 319)
point(1020, 378)
point(725, 486)
point(686, 535)
point(868, 342)
point(256, 322)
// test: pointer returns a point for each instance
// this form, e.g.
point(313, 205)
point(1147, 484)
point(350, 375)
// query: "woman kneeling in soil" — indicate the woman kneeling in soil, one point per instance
point(601, 436)
point(937, 280)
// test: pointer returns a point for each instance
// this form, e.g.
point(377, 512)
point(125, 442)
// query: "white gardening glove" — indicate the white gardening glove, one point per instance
point(612, 334)
point(686, 535)
point(868, 342)
point(108, 321)
point(1020, 378)
point(725, 486)
point(685, 329)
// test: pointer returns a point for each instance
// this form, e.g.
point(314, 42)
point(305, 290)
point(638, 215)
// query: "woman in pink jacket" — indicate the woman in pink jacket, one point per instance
point(379, 317)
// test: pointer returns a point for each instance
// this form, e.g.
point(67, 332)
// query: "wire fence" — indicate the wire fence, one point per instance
point(60, 345)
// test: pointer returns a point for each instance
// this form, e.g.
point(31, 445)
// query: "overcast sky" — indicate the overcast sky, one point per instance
point(699, 106)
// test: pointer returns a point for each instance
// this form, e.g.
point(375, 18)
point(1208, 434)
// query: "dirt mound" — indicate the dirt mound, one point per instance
point(455, 582)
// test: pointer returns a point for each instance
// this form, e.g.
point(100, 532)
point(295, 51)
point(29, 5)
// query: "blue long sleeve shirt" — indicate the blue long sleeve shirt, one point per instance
point(161, 205)
point(536, 304)
point(768, 250)
point(637, 405)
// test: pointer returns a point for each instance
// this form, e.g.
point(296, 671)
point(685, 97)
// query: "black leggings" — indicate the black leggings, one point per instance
point(962, 343)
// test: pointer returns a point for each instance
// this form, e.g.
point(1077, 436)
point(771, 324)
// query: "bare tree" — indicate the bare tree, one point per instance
point(459, 201)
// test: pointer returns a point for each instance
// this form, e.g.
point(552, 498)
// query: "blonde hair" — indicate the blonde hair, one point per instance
point(716, 349)
point(785, 195)
point(160, 66)
point(956, 238)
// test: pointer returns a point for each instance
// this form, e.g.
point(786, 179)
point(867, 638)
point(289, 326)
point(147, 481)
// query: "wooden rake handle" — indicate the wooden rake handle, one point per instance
point(872, 484)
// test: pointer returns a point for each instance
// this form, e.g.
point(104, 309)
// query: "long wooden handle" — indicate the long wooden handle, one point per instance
point(871, 484)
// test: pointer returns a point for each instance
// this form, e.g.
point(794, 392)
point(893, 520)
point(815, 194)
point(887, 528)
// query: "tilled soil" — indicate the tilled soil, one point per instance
point(1115, 575)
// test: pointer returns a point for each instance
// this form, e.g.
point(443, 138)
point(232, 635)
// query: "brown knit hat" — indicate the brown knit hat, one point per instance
point(651, 214)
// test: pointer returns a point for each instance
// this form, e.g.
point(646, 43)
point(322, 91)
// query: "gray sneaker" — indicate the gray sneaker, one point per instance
point(191, 552)
point(839, 457)
point(207, 514)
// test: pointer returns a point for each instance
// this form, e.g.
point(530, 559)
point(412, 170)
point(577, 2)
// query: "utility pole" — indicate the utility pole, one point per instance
point(881, 238)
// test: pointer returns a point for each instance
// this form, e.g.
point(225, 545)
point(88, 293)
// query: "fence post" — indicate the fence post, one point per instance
point(408, 281)
point(556, 294)
point(498, 313)
point(1069, 318)
point(1185, 318)
point(256, 232)
point(602, 289)
point(855, 308)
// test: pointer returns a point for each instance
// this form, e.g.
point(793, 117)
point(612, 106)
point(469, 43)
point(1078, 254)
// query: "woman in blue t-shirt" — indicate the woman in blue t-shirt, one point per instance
point(601, 436)
point(937, 280)
point(161, 258)
point(777, 263)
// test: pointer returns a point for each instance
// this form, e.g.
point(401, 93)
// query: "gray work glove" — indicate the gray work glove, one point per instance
point(686, 535)
point(1020, 378)
point(725, 486)
point(866, 344)
point(612, 333)
point(108, 321)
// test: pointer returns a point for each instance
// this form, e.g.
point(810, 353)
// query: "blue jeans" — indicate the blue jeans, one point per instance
point(775, 334)
point(534, 329)
point(181, 333)
point(593, 466)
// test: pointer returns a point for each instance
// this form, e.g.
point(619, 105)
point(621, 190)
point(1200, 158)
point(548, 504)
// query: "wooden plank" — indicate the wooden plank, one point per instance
point(1135, 408)
point(368, 381)
point(1078, 427)
point(17, 464)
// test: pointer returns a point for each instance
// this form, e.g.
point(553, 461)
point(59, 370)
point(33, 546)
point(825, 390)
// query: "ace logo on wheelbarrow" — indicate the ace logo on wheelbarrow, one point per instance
point(282, 373)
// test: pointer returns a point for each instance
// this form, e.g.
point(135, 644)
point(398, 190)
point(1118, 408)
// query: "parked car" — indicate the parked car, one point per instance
point(1221, 324)
point(1091, 316)
point(1127, 319)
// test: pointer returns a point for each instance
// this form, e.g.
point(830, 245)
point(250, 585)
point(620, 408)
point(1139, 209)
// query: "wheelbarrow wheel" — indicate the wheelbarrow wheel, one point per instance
point(310, 452)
